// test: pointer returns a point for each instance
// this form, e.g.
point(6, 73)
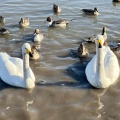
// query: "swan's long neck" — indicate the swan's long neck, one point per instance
point(100, 69)
point(25, 65)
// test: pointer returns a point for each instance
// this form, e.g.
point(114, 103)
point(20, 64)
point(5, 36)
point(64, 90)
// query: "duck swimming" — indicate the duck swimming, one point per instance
point(4, 31)
point(56, 8)
point(98, 70)
point(90, 11)
point(93, 37)
point(57, 23)
point(82, 51)
point(24, 22)
point(116, 0)
point(2, 19)
point(34, 53)
point(15, 71)
point(37, 36)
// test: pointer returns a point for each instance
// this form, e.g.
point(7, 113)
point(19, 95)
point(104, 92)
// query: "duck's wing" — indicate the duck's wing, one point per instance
point(111, 64)
point(60, 21)
point(88, 11)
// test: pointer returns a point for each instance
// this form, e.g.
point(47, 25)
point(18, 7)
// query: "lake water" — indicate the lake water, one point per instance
point(62, 91)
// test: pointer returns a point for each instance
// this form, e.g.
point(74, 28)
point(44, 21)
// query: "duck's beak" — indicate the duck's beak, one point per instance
point(45, 21)
point(99, 43)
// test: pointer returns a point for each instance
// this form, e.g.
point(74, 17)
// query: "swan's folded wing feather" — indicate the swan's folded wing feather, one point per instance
point(111, 65)
point(91, 69)
point(11, 70)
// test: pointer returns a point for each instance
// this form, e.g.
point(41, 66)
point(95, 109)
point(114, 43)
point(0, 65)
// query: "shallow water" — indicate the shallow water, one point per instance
point(62, 91)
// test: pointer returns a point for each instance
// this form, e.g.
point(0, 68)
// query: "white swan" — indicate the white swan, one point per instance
point(15, 71)
point(103, 70)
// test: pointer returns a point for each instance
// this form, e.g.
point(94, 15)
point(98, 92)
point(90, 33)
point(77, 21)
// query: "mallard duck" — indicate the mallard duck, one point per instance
point(2, 19)
point(34, 53)
point(56, 8)
point(3, 31)
point(82, 51)
point(98, 70)
point(37, 36)
point(15, 71)
point(93, 37)
point(90, 11)
point(56, 23)
point(24, 22)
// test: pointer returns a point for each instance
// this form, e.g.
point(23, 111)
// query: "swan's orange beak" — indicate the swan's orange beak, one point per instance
point(28, 51)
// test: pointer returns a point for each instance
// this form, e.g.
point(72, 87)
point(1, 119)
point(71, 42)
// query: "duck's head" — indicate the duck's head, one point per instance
point(95, 9)
point(2, 19)
point(26, 49)
point(104, 30)
point(99, 41)
point(37, 31)
point(49, 19)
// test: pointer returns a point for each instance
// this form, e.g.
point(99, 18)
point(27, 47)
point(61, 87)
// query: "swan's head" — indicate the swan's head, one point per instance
point(26, 48)
point(99, 41)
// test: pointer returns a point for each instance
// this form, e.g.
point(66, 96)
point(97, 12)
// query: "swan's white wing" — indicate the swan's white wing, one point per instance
point(91, 69)
point(11, 70)
point(111, 65)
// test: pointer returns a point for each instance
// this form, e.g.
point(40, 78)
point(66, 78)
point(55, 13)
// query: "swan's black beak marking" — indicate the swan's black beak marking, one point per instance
point(99, 43)
point(30, 54)
point(99, 46)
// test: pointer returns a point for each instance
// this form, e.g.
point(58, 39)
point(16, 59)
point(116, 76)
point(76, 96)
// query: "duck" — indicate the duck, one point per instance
point(2, 19)
point(93, 37)
point(57, 23)
point(98, 70)
point(35, 53)
point(116, 0)
point(15, 71)
point(37, 35)
point(24, 22)
point(90, 11)
point(56, 8)
point(114, 47)
point(82, 51)
point(4, 31)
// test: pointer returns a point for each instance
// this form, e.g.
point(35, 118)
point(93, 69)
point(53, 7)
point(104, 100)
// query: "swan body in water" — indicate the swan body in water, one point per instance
point(103, 70)
point(15, 71)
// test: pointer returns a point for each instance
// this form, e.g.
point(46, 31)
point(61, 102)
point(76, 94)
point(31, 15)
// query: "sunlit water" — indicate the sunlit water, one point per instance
point(62, 91)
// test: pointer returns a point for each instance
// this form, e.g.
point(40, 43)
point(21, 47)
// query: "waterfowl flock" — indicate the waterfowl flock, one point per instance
point(98, 70)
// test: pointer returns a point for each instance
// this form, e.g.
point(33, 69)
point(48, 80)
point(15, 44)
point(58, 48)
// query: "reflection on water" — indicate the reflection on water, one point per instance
point(62, 91)
point(100, 104)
